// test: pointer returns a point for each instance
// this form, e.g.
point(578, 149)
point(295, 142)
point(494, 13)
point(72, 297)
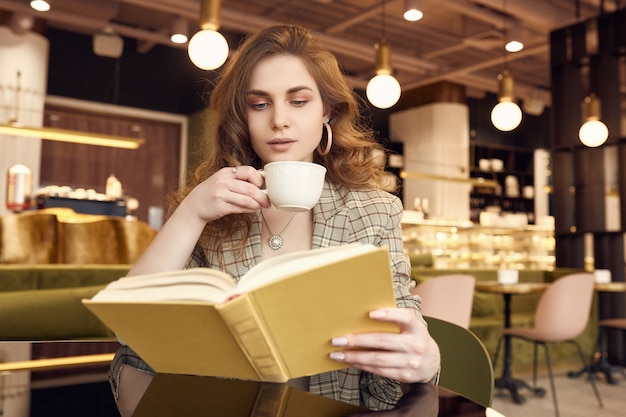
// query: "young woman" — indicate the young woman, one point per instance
point(282, 97)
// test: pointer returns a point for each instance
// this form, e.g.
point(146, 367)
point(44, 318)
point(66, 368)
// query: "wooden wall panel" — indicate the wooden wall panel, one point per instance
point(589, 183)
point(564, 207)
point(147, 173)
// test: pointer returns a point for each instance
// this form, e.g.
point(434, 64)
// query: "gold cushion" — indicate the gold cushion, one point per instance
point(60, 235)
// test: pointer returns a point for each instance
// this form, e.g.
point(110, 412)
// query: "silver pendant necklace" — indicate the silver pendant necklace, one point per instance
point(275, 241)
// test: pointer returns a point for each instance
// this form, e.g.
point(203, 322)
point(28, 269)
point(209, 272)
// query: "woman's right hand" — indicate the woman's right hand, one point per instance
point(228, 191)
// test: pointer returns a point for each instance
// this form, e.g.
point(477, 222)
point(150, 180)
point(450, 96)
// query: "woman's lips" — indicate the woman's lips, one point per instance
point(281, 144)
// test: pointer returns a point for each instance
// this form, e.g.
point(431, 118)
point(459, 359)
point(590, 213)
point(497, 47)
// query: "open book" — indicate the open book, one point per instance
point(274, 325)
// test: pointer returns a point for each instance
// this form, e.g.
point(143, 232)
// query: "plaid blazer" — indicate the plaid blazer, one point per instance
point(340, 217)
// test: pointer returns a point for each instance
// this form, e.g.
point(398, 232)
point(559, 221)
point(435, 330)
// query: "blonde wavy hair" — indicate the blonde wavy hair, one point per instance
point(352, 158)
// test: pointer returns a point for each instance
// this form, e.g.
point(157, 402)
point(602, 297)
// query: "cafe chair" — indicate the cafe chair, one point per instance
point(448, 297)
point(561, 315)
point(465, 363)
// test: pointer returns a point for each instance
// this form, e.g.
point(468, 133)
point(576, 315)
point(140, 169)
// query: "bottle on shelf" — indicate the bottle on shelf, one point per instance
point(417, 206)
point(425, 208)
point(113, 188)
point(19, 188)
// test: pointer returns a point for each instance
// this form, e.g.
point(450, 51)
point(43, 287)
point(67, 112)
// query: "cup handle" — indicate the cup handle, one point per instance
point(262, 172)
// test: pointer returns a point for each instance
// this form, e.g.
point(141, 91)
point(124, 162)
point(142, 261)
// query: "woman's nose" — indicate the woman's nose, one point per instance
point(280, 118)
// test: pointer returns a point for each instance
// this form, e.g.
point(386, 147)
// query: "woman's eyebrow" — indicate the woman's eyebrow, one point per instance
point(257, 93)
point(298, 88)
point(289, 91)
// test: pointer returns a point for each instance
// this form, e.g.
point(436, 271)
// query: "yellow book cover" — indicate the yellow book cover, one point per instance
point(275, 324)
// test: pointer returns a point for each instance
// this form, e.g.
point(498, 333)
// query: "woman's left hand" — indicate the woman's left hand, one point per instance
point(408, 356)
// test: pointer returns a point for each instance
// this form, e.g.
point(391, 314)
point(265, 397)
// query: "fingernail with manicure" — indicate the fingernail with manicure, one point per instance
point(339, 341)
point(377, 314)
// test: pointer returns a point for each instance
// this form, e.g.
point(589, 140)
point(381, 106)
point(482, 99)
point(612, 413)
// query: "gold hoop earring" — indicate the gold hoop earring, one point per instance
point(329, 140)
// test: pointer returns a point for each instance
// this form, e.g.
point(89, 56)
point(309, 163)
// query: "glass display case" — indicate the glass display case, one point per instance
point(464, 244)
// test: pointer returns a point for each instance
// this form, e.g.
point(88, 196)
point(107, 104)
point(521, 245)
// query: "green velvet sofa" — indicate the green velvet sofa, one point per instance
point(43, 302)
point(488, 310)
point(51, 259)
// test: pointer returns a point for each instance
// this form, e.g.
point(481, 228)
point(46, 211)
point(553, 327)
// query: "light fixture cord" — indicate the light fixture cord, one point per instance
point(116, 82)
point(18, 91)
point(382, 18)
point(506, 34)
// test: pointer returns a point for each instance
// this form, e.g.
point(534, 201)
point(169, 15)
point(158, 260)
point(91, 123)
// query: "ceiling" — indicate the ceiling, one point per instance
point(459, 41)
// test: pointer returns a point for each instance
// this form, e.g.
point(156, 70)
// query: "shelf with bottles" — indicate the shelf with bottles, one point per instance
point(511, 167)
point(501, 159)
point(464, 244)
point(481, 202)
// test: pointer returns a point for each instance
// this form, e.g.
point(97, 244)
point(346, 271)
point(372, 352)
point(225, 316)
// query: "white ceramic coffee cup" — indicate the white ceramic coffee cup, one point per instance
point(508, 276)
point(602, 276)
point(294, 185)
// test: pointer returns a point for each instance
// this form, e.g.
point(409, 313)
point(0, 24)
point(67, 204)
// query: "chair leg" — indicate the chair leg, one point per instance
point(591, 377)
point(496, 354)
point(535, 365)
point(552, 386)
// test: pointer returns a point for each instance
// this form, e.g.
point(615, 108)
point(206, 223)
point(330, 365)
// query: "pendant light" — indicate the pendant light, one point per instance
point(180, 31)
point(40, 5)
point(208, 49)
point(593, 132)
point(506, 115)
point(514, 41)
point(412, 10)
point(383, 90)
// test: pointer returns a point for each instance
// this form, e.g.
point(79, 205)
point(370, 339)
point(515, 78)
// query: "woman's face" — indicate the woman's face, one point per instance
point(285, 110)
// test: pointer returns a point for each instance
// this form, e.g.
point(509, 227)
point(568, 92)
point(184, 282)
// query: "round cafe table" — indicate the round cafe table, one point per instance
point(188, 395)
point(506, 380)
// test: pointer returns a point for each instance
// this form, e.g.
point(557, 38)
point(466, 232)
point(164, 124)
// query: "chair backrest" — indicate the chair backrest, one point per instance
point(563, 310)
point(466, 367)
point(448, 297)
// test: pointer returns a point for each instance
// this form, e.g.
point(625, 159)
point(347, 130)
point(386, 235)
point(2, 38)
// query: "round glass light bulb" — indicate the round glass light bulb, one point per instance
point(208, 49)
point(593, 133)
point(40, 5)
point(383, 91)
point(413, 15)
point(514, 46)
point(506, 116)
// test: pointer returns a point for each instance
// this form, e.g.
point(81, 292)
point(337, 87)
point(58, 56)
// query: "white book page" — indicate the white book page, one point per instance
point(275, 269)
point(174, 292)
point(205, 284)
point(188, 284)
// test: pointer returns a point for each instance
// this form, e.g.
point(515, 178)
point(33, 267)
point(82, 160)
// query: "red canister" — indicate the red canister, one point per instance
point(19, 188)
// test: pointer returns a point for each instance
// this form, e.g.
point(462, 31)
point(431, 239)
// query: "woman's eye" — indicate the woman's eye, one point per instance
point(299, 103)
point(258, 106)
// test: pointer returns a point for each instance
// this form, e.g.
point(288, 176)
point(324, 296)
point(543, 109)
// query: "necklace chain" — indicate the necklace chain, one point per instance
point(275, 241)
